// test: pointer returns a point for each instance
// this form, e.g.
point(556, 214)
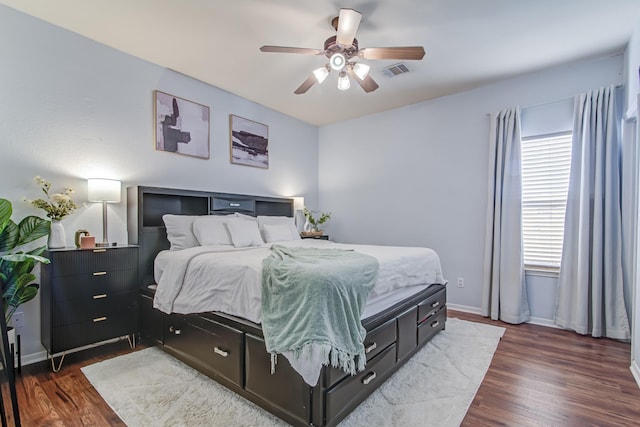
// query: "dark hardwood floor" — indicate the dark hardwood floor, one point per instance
point(538, 377)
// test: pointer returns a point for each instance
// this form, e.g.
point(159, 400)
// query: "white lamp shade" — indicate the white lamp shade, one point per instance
point(320, 74)
point(298, 203)
point(343, 82)
point(361, 70)
point(103, 190)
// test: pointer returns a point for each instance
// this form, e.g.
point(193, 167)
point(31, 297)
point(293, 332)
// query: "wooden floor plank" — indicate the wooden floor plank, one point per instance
point(538, 377)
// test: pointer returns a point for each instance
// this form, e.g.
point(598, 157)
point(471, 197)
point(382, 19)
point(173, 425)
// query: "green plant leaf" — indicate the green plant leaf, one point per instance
point(6, 211)
point(9, 237)
point(32, 228)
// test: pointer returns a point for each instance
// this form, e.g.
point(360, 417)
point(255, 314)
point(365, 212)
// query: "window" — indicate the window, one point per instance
point(546, 162)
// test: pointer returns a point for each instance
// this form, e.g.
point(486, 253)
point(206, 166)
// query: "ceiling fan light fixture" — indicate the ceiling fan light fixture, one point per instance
point(343, 81)
point(320, 74)
point(337, 61)
point(361, 70)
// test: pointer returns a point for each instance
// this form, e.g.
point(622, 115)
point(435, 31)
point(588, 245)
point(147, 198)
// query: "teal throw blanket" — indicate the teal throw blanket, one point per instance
point(314, 298)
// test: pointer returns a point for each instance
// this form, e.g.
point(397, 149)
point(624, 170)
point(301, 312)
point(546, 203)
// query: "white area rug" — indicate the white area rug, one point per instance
point(434, 388)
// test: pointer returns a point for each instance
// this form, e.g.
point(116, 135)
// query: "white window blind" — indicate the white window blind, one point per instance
point(546, 162)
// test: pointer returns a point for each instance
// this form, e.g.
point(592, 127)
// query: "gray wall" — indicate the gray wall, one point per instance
point(72, 109)
point(418, 175)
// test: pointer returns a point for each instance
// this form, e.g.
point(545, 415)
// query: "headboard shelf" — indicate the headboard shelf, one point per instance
point(147, 205)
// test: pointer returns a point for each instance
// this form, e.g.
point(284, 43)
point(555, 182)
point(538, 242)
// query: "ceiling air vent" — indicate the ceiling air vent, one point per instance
point(395, 70)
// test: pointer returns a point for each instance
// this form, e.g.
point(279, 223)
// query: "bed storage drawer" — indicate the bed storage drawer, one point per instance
point(216, 349)
point(376, 340)
point(432, 305)
point(346, 395)
point(428, 328)
point(294, 400)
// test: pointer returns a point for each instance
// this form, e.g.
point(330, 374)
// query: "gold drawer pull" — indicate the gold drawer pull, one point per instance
point(369, 378)
point(435, 304)
point(435, 324)
point(371, 348)
point(99, 273)
point(221, 352)
point(175, 331)
point(99, 319)
point(95, 251)
point(99, 296)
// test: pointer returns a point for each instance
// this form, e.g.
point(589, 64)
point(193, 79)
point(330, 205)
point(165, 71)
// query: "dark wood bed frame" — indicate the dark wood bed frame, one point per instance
point(231, 350)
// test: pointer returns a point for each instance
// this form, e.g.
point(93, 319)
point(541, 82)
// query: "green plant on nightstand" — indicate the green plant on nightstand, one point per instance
point(315, 222)
point(16, 277)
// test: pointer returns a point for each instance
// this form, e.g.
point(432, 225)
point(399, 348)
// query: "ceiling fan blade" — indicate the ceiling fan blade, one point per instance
point(306, 85)
point(283, 49)
point(348, 22)
point(405, 52)
point(368, 84)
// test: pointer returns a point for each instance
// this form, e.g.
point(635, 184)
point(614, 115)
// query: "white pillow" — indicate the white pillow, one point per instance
point(276, 233)
point(180, 231)
point(279, 220)
point(212, 231)
point(244, 216)
point(244, 233)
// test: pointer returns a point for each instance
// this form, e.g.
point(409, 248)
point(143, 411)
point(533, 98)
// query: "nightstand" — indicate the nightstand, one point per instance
point(320, 237)
point(88, 296)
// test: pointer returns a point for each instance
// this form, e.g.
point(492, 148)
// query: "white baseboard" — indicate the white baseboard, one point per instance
point(540, 321)
point(635, 370)
point(465, 308)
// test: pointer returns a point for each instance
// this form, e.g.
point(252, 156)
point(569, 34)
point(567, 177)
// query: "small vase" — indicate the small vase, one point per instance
point(307, 227)
point(56, 235)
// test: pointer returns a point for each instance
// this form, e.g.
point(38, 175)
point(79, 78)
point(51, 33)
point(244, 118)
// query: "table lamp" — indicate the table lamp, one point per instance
point(105, 191)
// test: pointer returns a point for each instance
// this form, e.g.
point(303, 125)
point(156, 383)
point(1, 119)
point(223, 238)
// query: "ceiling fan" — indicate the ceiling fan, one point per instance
point(342, 49)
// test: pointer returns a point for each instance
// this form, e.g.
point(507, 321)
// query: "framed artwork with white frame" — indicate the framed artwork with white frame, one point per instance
point(181, 126)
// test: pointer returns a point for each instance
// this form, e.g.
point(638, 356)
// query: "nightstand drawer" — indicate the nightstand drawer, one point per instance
point(100, 282)
point(88, 308)
point(79, 334)
point(72, 262)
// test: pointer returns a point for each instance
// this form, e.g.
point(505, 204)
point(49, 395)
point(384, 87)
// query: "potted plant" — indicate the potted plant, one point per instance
point(16, 277)
point(312, 224)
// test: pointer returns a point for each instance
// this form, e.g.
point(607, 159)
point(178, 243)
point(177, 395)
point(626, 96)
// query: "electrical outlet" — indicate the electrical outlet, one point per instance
point(461, 282)
point(17, 320)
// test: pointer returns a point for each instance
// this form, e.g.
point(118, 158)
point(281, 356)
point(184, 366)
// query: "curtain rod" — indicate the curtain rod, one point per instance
point(618, 86)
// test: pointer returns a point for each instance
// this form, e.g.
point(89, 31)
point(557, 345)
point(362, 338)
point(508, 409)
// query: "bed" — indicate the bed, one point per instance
point(228, 344)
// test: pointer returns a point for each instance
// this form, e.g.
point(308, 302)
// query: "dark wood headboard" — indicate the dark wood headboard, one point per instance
point(146, 205)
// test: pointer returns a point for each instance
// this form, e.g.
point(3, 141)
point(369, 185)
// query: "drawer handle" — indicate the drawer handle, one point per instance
point(435, 304)
point(221, 352)
point(99, 273)
point(99, 296)
point(369, 378)
point(99, 319)
point(371, 348)
point(435, 324)
point(175, 331)
point(95, 251)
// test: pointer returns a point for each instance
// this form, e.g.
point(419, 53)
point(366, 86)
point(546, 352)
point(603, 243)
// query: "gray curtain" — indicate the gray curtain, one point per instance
point(590, 286)
point(504, 293)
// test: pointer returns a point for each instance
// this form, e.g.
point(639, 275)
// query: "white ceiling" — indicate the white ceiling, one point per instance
point(468, 42)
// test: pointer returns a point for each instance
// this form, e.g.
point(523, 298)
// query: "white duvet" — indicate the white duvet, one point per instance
point(229, 280)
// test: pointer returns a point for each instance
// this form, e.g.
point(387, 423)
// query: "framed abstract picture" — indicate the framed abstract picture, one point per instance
point(249, 142)
point(181, 126)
